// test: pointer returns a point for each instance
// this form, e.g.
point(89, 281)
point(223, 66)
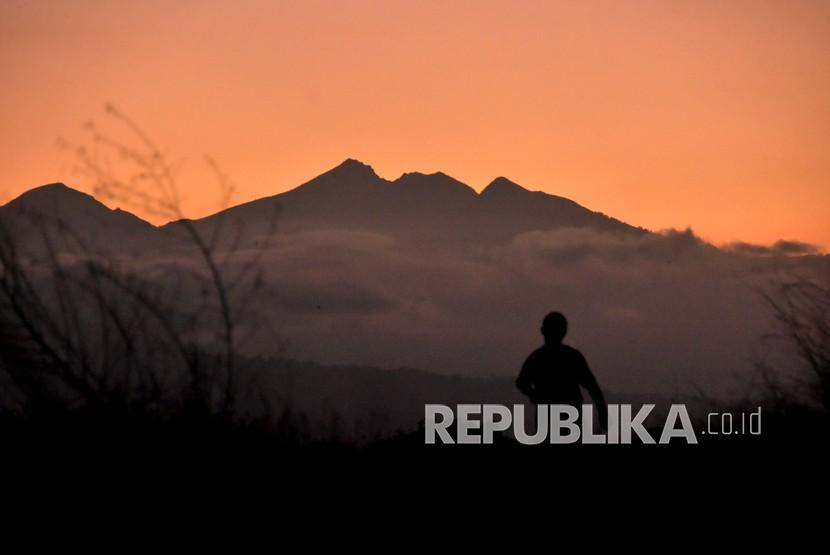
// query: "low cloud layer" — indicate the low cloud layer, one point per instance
point(663, 312)
point(657, 313)
point(779, 248)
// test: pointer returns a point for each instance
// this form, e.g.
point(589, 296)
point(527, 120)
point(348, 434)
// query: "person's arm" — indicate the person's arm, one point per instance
point(589, 382)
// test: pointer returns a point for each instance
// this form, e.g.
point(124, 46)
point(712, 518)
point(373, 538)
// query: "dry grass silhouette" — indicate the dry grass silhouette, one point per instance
point(802, 309)
point(87, 330)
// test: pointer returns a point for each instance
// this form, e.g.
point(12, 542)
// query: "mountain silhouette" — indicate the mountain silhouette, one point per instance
point(72, 219)
point(512, 209)
point(420, 207)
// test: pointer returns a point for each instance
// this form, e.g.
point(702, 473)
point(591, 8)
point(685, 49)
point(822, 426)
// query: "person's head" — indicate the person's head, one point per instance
point(554, 327)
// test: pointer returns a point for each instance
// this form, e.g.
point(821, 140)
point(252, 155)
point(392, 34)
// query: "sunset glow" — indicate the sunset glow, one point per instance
point(714, 115)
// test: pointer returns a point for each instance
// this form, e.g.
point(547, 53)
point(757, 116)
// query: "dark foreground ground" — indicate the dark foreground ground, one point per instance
point(177, 472)
point(112, 449)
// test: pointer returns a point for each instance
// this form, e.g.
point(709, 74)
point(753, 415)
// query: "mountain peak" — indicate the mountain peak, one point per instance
point(353, 167)
point(436, 182)
point(502, 185)
point(57, 203)
point(349, 175)
point(51, 186)
point(51, 193)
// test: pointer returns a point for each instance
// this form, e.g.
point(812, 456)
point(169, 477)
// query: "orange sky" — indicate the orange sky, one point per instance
point(662, 113)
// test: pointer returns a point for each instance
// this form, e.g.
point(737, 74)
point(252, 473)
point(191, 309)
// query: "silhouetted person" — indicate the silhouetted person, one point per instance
point(553, 373)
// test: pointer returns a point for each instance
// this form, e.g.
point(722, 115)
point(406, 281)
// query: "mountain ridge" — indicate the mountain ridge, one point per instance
point(58, 216)
point(426, 207)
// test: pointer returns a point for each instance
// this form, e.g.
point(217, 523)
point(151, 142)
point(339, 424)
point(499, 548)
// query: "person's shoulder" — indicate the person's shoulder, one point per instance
point(538, 351)
point(572, 351)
